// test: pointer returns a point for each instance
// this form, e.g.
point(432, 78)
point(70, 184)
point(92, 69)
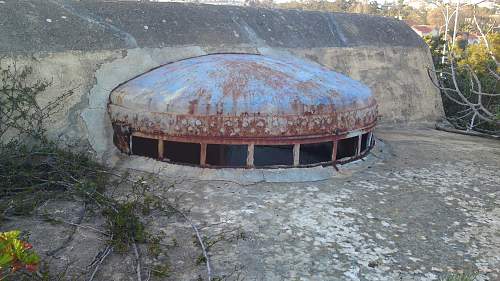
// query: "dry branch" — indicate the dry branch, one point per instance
point(138, 258)
point(200, 241)
point(102, 257)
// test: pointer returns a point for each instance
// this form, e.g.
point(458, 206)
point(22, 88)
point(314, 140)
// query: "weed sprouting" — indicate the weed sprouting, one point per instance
point(465, 276)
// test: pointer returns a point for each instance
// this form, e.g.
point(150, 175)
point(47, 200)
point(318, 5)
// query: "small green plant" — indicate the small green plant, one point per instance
point(154, 247)
point(125, 226)
point(16, 254)
point(466, 276)
point(162, 270)
point(201, 259)
point(174, 242)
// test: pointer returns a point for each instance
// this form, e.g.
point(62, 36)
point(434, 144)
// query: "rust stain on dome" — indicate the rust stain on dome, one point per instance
point(238, 98)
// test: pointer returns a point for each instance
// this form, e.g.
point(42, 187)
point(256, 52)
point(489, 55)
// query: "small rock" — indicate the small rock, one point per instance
point(375, 263)
point(437, 269)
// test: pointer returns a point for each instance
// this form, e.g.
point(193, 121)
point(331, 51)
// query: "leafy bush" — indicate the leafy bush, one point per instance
point(473, 72)
point(466, 276)
point(16, 254)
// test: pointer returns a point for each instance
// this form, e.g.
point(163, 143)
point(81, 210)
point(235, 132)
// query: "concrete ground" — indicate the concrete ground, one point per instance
point(427, 203)
point(431, 206)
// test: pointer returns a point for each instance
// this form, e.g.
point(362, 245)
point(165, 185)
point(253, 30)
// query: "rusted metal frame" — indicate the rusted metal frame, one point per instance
point(334, 150)
point(256, 141)
point(161, 151)
point(250, 160)
point(151, 123)
point(266, 140)
point(203, 154)
point(327, 163)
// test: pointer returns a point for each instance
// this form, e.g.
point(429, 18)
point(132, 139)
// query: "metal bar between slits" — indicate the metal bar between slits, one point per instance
point(160, 149)
point(250, 155)
point(334, 151)
point(358, 150)
point(370, 138)
point(130, 144)
point(203, 154)
point(296, 154)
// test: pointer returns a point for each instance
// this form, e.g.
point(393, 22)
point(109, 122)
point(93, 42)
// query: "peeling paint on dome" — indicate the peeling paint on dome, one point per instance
point(288, 97)
point(241, 99)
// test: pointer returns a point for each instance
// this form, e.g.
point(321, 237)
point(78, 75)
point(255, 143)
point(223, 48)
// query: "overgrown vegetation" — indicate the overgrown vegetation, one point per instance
point(16, 254)
point(464, 276)
point(470, 83)
point(35, 171)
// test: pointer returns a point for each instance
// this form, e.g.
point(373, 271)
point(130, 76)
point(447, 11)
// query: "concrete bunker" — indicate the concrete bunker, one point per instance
point(244, 110)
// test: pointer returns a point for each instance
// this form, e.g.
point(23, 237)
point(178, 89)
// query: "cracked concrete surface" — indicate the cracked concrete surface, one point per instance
point(429, 206)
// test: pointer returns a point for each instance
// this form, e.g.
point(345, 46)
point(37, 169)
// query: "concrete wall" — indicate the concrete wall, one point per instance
point(92, 47)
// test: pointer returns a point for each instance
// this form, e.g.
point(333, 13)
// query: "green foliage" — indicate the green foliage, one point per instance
point(201, 259)
point(436, 47)
point(32, 168)
point(33, 174)
point(16, 254)
point(20, 113)
point(474, 59)
point(154, 247)
point(466, 276)
point(124, 225)
point(479, 58)
point(162, 270)
point(19, 109)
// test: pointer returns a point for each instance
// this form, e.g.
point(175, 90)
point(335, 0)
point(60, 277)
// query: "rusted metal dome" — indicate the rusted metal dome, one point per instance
point(241, 99)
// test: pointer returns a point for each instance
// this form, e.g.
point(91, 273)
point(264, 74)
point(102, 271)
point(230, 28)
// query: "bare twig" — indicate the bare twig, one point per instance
point(72, 234)
point(78, 225)
point(456, 95)
point(199, 238)
point(138, 267)
point(483, 36)
point(105, 253)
